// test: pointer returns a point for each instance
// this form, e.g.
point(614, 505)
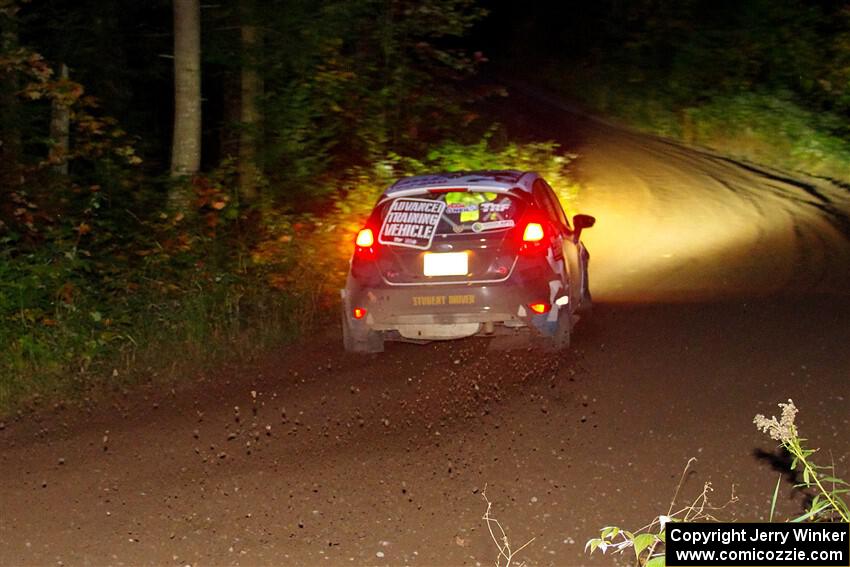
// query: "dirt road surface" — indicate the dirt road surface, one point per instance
point(721, 289)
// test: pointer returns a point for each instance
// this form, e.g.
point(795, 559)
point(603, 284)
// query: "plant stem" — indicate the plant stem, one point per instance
point(797, 451)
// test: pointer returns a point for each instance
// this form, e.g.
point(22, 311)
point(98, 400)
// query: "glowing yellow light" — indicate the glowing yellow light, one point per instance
point(365, 238)
point(533, 232)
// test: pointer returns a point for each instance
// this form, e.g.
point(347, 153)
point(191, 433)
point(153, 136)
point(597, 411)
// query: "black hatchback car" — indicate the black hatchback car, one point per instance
point(452, 255)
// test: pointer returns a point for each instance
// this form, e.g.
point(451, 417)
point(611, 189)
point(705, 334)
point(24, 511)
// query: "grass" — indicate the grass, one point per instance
point(163, 335)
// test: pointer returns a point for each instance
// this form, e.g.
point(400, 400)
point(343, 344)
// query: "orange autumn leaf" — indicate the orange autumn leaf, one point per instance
point(66, 292)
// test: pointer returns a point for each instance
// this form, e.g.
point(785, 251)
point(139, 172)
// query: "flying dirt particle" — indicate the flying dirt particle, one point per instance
point(196, 434)
point(380, 554)
point(61, 461)
point(44, 484)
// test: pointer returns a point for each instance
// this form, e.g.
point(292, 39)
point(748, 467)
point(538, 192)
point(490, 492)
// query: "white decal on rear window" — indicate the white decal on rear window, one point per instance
point(455, 208)
point(495, 207)
point(479, 226)
point(411, 223)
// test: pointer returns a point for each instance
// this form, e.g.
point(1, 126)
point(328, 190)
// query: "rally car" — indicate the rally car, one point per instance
point(452, 255)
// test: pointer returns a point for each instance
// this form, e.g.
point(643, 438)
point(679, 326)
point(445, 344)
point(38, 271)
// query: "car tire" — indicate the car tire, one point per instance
point(366, 343)
point(586, 306)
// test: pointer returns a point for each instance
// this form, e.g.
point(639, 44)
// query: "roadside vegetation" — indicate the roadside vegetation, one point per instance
point(117, 266)
point(825, 497)
point(765, 81)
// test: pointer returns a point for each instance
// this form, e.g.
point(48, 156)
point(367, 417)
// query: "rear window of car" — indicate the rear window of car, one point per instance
point(462, 211)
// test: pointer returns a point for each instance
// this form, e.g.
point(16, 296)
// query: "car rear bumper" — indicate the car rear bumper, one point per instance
point(449, 311)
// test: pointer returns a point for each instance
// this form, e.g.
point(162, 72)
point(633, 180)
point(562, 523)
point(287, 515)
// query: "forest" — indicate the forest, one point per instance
point(180, 183)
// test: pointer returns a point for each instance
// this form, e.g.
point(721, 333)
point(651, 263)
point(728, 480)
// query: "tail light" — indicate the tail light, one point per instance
point(533, 232)
point(365, 238)
point(364, 244)
point(539, 308)
point(533, 236)
point(358, 312)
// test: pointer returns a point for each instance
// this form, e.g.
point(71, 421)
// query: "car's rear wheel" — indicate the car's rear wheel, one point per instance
point(586, 306)
point(364, 342)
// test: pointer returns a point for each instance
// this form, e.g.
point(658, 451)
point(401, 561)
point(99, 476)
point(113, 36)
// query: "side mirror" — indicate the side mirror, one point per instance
point(580, 222)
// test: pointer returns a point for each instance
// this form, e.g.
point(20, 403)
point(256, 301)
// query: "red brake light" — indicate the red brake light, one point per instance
point(358, 312)
point(365, 246)
point(539, 308)
point(365, 238)
point(533, 232)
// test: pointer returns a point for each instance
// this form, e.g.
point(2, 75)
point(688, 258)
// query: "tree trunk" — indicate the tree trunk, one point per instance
point(60, 122)
point(186, 147)
point(10, 131)
point(252, 87)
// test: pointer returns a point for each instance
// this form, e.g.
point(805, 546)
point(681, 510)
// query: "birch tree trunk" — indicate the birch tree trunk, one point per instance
point(186, 146)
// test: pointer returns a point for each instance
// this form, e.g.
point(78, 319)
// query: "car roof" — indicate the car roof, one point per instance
point(501, 180)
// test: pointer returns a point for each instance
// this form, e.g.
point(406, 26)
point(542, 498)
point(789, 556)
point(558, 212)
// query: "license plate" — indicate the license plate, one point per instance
point(446, 264)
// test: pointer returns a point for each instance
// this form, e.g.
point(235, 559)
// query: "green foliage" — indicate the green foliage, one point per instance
point(828, 503)
point(545, 158)
point(771, 129)
point(763, 80)
point(347, 81)
point(128, 294)
point(774, 128)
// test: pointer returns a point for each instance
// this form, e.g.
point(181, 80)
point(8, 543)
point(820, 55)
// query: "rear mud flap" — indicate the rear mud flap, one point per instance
point(544, 325)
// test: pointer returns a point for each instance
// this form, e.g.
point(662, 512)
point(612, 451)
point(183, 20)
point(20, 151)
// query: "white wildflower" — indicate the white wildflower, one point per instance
point(781, 429)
